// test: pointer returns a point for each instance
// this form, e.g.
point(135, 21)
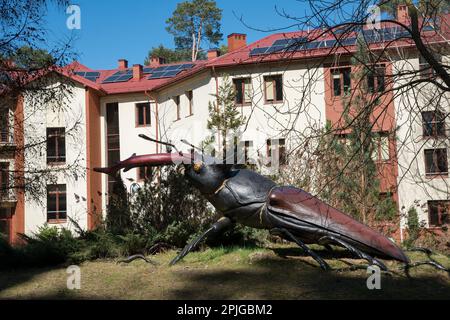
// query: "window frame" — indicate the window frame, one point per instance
point(58, 159)
point(273, 79)
point(434, 125)
point(243, 103)
point(146, 176)
point(438, 205)
point(145, 106)
point(58, 193)
point(4, 172)
point(376, 79)
point(342, 91)
point(379, 147)
point(435, 162)
point(4, 133)
point(282, 157)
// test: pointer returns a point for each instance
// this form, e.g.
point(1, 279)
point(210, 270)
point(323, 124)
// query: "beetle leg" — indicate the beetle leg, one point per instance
point(286, 234)
point(372, 261)
point(220, 225)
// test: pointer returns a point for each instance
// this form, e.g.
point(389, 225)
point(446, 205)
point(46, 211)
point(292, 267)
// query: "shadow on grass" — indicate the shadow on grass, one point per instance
point(273, 278)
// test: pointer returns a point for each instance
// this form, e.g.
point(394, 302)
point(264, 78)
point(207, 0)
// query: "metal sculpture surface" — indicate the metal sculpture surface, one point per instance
point(246, 197)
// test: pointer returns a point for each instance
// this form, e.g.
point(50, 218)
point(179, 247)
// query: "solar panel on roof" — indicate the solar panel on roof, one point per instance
point(258, 51)
point(147, 70)
point(120, 76)
point(89, 75)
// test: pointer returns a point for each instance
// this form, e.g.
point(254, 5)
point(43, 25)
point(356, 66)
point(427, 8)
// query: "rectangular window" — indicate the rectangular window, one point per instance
point(273, 145)
point(190, 97)
point(4, 125)
point(426, 71)
point(176, 99)
point(381, 147)
point(112, 138)
point(341, 81)
point(243, 91)
point(145, 173)
point(56, 145)
point(439, 213)
point(5, 223)
point(4, 179)
point(143, 117)
point(248, 145)
point(273, 88)
point(376, 80)
point(436, 162)
point(433, 123)
point(56, 203)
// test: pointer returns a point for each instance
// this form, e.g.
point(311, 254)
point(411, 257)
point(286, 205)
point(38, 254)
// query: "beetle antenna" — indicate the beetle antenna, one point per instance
point(191, 145)
point(145, 137)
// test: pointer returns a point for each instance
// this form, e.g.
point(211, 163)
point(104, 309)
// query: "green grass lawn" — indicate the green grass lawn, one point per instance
point(279, 272)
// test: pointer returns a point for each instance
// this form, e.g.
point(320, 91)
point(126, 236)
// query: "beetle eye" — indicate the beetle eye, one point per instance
point(197, 167)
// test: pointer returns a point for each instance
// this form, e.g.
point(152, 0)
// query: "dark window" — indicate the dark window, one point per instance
point(273, 87)
point(436, 161)
point(248, 145)
point(4, 125)
point(433, 123)
point(176, 99)
point(4, 179)
point(56, 203)
point(341, 79)
point(271, 147)
point(426, 71)
point(145, 173)
point(113, 141)
point(190, 97)
point(376, 80)
point(5, 223)
point(143, 114)
point(56, 145)
point(438, 213)
point(243, 91)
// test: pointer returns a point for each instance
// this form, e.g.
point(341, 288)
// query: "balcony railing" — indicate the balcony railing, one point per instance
point(7, 196)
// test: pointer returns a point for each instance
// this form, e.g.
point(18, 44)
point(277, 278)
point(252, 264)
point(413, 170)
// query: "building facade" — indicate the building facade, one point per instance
point(284, 98)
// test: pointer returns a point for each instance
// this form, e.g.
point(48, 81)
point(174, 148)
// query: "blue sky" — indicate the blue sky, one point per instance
point(113, 29)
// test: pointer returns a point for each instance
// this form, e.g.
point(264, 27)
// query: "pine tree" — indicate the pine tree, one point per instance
point(225, 119)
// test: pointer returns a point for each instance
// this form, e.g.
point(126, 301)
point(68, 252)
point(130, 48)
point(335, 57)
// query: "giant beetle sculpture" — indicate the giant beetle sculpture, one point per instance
point(246, 197)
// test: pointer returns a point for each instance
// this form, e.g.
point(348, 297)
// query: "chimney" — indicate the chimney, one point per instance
point(402, 14)
point(213, 53)
point(123, 64)
point(236, 41)
point(157, 61)
point(137, 72)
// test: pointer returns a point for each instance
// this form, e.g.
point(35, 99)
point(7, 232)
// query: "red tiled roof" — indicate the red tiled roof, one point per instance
point(238, 57)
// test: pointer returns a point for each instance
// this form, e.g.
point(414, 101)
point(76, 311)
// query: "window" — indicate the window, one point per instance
point(341, 81)
point(273, 88)
point(112, 138)
point(56, 203)
point(376, 80)
point(243, 91)
point(248, 145)
point(436, 162)
point(190, 97)
point(4, 179)
point(143, 114)
point(176, 99)
point(381, 147)
point(433, 123)
point(426, 71)
point(5, 223)
point(56, 145)
point(272, 146)
point(438, 213)
point(145, 173)
point(4, 125)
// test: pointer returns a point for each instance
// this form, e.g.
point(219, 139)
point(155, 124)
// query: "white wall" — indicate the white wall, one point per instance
point(414, 188)
point(35, 125)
